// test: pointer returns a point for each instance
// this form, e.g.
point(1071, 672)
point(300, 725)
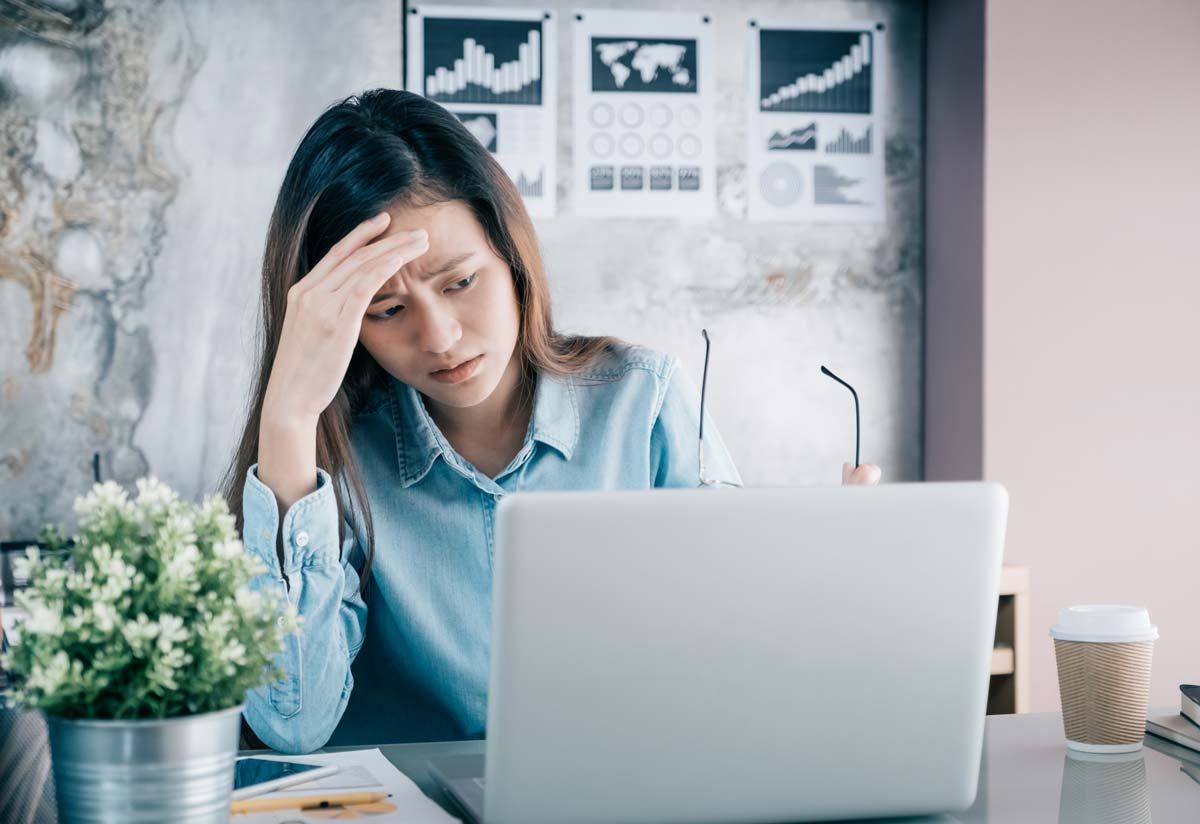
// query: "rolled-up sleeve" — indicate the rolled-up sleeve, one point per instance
point(675, 438)
point(318, 577)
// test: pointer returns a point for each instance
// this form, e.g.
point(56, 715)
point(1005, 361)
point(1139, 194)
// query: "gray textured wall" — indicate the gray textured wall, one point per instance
point(143, 144)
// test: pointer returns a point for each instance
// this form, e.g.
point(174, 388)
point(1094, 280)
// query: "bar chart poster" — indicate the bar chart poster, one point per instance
point(644, 90)
point(494, 68)
point(815, 121)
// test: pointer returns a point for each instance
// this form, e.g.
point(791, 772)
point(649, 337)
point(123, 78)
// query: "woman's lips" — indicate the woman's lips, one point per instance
point(459, 373)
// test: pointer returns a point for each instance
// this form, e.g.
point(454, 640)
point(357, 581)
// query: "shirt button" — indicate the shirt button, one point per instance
point(302, 539)
point(280, 621)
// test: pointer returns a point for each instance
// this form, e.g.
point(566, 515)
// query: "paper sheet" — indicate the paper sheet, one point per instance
point(495, 69)
point(358, 771)
point(815, 121)
point(645, 139)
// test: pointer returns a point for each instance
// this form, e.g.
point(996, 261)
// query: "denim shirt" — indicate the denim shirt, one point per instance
point(410, 661)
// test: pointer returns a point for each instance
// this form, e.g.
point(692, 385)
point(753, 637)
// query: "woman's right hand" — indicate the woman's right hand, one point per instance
point(324, 315)
point(321, 324)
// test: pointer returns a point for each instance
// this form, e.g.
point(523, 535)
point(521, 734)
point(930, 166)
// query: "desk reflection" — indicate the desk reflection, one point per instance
point(1104, 789)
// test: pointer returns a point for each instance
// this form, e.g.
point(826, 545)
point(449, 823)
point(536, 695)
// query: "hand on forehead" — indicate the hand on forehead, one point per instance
point(453, 231)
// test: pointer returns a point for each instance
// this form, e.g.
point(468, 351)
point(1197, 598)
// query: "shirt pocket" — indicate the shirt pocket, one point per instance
point(285, 693)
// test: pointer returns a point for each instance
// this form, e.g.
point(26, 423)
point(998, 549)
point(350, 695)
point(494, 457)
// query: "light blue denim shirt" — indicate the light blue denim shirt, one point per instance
point(410, 663)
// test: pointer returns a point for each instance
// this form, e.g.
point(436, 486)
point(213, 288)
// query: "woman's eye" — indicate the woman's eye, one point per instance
point(463, 284)
point(389, 312)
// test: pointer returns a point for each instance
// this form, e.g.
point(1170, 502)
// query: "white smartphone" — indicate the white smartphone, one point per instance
point(255, 776)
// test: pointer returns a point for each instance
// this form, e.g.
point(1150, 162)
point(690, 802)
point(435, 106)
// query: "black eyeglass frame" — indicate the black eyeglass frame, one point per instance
point(705, 481)
point(857, 424)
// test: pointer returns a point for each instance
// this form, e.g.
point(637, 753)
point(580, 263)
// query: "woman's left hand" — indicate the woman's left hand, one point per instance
point(862, 475)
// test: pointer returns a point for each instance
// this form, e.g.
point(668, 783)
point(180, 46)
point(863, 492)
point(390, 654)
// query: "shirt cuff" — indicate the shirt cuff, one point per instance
point(310, 526)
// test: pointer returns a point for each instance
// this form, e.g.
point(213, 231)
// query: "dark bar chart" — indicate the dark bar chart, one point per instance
point(483, 61)
point(815, 71)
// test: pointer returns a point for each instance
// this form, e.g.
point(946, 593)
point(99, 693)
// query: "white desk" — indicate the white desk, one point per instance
point(1026, 777)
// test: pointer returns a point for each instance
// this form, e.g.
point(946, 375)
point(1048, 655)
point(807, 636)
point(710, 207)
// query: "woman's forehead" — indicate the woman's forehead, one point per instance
point(449, 221)
point(455, 235)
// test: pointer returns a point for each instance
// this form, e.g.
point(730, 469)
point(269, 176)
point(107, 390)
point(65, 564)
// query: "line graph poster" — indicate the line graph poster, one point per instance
point(815, 121)
point(494, 68)
point(644, 86)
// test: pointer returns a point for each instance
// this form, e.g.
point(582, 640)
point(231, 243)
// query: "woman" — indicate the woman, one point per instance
point(411, 377)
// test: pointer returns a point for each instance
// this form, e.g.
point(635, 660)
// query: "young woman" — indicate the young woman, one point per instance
point(410, 378)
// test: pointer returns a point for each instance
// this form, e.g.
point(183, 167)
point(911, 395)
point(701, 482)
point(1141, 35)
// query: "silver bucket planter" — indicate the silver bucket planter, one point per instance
point(136, 772)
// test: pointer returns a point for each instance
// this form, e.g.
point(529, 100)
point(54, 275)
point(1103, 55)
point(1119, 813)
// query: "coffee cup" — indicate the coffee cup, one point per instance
point(1104, 654)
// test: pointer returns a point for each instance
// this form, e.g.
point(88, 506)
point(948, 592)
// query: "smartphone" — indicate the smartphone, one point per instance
point(255, 776)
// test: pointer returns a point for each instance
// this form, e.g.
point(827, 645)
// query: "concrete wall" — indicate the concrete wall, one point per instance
point(144, 144)
point(143, 147)
point(1092, 311)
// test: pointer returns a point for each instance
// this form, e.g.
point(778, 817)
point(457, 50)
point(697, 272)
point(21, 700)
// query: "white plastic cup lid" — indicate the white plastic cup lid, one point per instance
point(1104, 624)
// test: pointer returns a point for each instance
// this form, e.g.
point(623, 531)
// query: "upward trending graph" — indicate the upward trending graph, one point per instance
point(815, 71)
point(483, 61)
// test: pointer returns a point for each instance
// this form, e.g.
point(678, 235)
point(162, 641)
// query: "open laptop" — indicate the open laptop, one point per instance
point(737, 655)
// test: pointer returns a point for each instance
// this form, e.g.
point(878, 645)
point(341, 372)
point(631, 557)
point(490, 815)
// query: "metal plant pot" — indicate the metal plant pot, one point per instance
point(136, 772)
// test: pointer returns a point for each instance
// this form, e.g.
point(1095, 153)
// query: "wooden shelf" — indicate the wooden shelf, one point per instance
point(1002, 660)
point(1009, 690)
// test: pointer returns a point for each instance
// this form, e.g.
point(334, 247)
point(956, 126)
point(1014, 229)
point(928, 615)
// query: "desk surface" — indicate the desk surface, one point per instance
point(1026, 778)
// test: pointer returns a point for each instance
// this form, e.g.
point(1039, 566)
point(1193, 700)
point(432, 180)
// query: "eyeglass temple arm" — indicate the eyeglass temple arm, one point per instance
point(703, 391)
point(857, 426)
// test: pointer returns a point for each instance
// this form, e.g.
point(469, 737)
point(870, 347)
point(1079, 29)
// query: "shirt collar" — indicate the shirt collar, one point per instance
point(419, 441)
point(556, 413)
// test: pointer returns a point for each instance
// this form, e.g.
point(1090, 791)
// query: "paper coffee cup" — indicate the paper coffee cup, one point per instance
point(1104, 654)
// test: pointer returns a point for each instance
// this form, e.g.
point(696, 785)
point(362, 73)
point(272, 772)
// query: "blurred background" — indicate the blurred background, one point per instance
point(1027, 312)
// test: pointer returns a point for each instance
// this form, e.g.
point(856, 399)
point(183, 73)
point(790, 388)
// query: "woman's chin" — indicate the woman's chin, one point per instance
point(470, 392)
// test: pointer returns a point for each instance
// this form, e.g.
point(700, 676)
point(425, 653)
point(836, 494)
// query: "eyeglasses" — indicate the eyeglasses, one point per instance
point(704, 481)
point(857, 427)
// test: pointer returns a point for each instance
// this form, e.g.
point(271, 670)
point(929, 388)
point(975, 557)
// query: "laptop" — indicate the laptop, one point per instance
point(736, 655)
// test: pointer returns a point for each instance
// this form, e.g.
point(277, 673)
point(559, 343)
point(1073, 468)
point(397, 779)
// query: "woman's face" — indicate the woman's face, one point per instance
point(446, 324)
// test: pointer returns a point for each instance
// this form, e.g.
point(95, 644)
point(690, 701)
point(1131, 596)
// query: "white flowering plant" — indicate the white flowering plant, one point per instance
point(150, 614)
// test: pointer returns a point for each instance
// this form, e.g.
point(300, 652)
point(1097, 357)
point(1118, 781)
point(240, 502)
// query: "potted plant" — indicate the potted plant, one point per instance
point(139, 645)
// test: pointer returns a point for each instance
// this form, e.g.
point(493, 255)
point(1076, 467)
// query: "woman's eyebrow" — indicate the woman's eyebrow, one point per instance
point(445, 267)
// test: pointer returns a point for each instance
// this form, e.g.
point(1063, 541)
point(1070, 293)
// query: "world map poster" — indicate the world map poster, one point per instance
point(644, 132)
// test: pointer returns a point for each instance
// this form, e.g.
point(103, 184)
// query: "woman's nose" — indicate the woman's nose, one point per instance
point(437, 331)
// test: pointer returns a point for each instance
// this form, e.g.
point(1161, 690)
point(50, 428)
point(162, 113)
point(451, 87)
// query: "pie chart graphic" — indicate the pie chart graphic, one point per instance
point(602, 144)
point(781, 184)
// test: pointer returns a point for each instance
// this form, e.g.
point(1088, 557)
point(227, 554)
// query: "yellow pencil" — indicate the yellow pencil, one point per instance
point(304, 802)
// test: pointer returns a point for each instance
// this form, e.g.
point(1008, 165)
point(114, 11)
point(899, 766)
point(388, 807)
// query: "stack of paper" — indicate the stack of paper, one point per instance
point(358, 771)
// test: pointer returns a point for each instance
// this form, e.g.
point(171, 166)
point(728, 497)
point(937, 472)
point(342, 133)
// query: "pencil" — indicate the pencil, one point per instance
point(303, 802)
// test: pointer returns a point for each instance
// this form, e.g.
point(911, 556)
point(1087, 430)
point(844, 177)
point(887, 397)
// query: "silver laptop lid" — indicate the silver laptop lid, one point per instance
point(741, 655)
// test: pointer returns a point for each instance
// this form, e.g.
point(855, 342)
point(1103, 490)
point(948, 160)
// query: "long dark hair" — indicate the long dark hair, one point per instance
point(373, 151)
